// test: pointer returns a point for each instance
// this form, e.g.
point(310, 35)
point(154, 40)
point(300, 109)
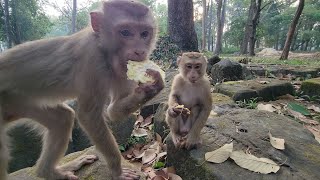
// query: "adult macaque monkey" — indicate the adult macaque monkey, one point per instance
point(90, 66)
point(189, 101)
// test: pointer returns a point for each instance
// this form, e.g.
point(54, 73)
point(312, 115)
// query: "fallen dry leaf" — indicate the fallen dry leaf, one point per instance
point(276, 142)
point(315, 131)
point(139, 132)
point(314, 108)
point(149, 156)
point(220, 155)
point(252, 163)
point(266, 107)
point(213, 114)
point(139, 121)
point(138, 154)
point(147, 121)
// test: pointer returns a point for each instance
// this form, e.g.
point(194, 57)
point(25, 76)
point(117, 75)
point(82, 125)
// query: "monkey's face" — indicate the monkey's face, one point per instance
point(192, 71)
point(134, 41)
point(192, 68)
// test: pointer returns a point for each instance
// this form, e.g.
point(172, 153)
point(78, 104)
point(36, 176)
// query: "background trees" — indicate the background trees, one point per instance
point(219, 26)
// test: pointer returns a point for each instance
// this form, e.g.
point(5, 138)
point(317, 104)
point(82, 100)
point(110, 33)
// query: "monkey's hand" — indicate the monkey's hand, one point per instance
point(177, 109)
point(174, 112)
point(149, 90)
point(192, 142)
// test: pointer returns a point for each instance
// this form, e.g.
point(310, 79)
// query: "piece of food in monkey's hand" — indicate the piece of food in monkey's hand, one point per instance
point(183, 109)
point(137, 71)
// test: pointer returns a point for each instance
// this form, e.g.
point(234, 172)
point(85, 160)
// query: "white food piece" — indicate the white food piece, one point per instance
point(137, 71)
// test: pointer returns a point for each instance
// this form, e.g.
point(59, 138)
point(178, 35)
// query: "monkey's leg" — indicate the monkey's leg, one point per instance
point(174, 125)
point(3, 149)
point(59, 122)
point(199, 119)
point(92, 121)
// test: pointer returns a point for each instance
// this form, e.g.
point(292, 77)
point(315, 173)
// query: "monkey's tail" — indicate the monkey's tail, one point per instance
point(4, 154)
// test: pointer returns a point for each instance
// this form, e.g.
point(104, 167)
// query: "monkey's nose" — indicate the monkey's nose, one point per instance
point(139, 52)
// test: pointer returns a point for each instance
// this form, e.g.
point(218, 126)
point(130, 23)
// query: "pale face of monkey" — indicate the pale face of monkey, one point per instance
point(191, 69)
point(134, 41)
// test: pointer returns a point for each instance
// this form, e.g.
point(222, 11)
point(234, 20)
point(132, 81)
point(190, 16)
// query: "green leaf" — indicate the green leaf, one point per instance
point(159, 165)
point(299, 108)
point(122, 148)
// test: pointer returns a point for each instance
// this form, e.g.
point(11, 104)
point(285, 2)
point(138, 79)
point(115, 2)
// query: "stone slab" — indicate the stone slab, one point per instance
point(266, 88)
point(311, 87)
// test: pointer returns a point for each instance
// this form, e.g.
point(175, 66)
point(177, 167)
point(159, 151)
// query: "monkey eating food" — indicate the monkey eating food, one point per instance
point(37, 76)
point(189, 101)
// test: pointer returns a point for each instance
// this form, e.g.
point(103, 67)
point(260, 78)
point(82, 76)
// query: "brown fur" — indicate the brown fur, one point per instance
point(192, 89)
point(35, 77)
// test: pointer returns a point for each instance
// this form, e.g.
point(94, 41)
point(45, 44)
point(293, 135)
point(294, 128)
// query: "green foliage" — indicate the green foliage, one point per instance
point(136, 140)
point(159, 165)
point(166, 50)
point(28, 20)
point(249, 104)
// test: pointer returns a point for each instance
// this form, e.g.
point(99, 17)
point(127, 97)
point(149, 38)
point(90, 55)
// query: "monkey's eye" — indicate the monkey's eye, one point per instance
point(189, 66)
point(197, 67)
point(144, 34)
point(125, 33)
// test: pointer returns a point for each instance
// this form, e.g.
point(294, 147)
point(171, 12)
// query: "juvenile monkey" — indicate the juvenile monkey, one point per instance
point(189, 101)
point(35, 77)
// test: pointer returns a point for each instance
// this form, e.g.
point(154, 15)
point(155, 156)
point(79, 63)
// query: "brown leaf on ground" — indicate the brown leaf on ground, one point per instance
point(276, 142)
point(253, 163)
point(315, 131)
point(220, 155)
point(266, 107)
point(147, 121)
point(149, 156)
point(139, 132)
point(314, 108)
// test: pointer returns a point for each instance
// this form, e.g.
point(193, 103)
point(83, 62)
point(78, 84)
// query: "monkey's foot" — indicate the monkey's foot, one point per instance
point(128, 174)
point(77, 163)
point(193, 143)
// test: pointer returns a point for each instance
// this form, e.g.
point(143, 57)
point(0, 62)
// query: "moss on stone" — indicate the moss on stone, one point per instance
point(311, 86)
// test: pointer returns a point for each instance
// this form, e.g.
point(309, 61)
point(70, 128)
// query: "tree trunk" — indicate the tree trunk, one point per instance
point(253, 25)
point(285, 52)
point(16, 27)
point(74, 16)
point(181, 25)
point(7, 23)
point(221, 10)
point(245, 39)
point(204, 14)
point(210, 12)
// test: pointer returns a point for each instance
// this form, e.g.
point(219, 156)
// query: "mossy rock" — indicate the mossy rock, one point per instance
point(311, 86)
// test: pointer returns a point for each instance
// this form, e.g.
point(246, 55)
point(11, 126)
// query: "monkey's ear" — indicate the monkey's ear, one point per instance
point(178, 60)
point(96, 21)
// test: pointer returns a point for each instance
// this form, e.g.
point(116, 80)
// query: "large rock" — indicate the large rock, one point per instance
point(226, 70)
point(279, 70)
point(98, 170)
point(311, 87)
point(249, 131)
point(267, 89)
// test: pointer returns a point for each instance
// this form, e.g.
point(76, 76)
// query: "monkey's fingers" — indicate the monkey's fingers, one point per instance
point(172, 113)
point(157, 77)
point(129, 174)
